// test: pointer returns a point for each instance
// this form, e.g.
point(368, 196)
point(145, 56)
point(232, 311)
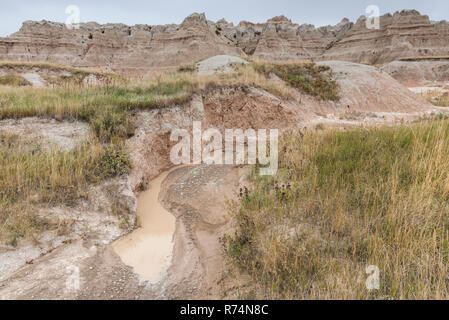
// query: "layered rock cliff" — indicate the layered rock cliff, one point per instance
point(405, 34)
point(121, 48)
point(142, 48)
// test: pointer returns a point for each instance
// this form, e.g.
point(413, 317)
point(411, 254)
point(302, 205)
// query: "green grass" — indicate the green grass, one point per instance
point(75, 102)
point(420, 58)
point(48, 66)
point(34, 176)
point(310, 78)
point(343, 201)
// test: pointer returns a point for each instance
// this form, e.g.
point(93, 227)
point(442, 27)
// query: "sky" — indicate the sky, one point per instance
point(152, 12)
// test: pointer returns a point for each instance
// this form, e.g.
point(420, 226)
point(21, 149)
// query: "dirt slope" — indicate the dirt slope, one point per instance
point(415, 72)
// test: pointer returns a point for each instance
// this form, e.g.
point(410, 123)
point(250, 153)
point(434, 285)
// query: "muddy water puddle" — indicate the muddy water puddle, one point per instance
point(149, 249)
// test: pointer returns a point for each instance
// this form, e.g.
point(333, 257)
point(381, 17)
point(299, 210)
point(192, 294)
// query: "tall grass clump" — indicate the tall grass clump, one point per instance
point(343, 201)
point(33, 176)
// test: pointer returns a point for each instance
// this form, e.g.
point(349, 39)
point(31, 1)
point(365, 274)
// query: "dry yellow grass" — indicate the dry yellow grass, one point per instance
point(32, 176)
point(343, 201)
point(46, 65)
point(168, 88)
point(14, 80)
point(437, 98)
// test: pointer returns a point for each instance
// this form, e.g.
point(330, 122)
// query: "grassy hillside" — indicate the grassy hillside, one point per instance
point(343, 201)
point(437, 98)
point(32, 176)
point(318, 81)
point(14, 80)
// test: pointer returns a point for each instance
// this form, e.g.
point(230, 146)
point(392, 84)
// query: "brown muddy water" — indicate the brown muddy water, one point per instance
point(149, 249)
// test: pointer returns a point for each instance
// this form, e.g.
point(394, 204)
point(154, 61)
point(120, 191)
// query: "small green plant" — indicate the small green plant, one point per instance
point(441, 116)
point(124, 224)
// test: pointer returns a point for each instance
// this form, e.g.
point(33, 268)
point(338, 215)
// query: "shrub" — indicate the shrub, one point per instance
point(316, 80)
point(32, 176)
point(108, 122)
point(187, 68)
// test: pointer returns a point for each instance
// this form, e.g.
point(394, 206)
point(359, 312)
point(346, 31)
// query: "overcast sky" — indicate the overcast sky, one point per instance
point(318, 12)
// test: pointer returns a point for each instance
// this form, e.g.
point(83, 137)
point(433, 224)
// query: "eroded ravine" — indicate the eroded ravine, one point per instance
point(149, 249)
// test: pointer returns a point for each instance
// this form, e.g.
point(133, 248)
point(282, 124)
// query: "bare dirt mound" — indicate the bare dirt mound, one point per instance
point(35, 79)
point(197, 197)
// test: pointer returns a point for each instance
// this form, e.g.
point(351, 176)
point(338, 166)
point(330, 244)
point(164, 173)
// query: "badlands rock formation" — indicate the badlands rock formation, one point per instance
point(404, 34)
point(142, 48)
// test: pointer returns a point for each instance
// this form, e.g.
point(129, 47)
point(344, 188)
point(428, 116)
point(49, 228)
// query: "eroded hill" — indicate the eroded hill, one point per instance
point(104, 144)
point(142, 48)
